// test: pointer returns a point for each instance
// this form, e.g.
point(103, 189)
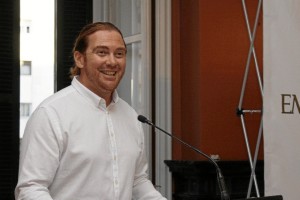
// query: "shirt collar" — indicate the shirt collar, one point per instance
point(93, 98)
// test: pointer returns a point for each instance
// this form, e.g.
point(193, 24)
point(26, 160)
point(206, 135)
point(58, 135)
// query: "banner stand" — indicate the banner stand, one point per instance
point(240, 111)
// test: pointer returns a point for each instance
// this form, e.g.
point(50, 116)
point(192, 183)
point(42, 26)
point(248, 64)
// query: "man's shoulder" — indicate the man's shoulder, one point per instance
point(125, 105)
point(126, 109)
point(61, 96)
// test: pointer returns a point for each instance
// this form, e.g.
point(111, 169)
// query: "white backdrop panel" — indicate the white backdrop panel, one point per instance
point(281, 19)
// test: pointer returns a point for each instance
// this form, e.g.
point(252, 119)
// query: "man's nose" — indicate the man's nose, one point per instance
point(111, 60)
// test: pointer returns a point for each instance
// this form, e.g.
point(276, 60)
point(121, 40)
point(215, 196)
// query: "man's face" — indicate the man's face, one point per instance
point(103, 64)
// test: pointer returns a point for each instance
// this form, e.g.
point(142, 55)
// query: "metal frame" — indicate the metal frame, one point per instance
point(240, 110)
point(163, 97)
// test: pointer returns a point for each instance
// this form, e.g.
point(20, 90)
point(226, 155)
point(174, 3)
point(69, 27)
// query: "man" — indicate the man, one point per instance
point(84, 142)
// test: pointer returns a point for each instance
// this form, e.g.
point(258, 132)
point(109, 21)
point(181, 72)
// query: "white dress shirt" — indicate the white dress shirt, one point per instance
point(76, 148)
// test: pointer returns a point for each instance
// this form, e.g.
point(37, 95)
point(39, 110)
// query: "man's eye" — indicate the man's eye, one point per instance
point(120, 54)
point(101, 53)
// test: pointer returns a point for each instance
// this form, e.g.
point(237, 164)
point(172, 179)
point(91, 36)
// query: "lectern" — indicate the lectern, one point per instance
point(196, 180)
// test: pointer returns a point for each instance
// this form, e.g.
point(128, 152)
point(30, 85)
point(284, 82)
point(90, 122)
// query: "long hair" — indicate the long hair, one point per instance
point(81, 42)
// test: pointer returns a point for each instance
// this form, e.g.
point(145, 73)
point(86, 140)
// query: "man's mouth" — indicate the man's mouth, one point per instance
point(109, 73)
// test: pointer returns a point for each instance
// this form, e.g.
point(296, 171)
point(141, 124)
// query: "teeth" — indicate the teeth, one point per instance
point(109, 73)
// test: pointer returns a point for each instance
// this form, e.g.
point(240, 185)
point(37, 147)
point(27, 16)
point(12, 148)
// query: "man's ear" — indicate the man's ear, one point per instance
point(79, 59)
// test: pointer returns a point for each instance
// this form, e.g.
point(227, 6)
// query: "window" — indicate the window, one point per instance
point(132, 17)
point(25, 68)
point(27, 29)
point(25, 26)
point(25, 109)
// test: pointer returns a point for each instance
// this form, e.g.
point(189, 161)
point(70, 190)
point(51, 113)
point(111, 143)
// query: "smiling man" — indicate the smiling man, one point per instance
point(84, 142)
point(102, 64)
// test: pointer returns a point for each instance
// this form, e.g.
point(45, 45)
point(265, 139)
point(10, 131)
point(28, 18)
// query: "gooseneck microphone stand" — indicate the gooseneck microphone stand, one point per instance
point(220, 177)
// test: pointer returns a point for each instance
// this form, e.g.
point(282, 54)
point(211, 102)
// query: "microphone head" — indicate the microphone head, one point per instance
point(142, 119)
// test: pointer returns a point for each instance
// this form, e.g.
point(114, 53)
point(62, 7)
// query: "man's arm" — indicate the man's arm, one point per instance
point(39, 158)
point(143, 188)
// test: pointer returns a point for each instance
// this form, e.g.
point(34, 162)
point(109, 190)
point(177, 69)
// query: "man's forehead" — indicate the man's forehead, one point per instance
point(106, 38)
point(106, 35)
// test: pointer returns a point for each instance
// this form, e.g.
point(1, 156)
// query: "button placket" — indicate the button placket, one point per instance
point(114, 154)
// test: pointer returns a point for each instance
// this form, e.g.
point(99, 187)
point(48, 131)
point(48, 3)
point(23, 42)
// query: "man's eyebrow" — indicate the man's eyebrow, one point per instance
point(121, 49)
point(100, 47)
point(106, 48)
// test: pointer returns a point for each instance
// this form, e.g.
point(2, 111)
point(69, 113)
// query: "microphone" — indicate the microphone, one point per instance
point(220, 177)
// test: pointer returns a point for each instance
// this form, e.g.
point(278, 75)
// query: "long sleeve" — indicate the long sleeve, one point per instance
point(39, 158)
point(143, 189)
